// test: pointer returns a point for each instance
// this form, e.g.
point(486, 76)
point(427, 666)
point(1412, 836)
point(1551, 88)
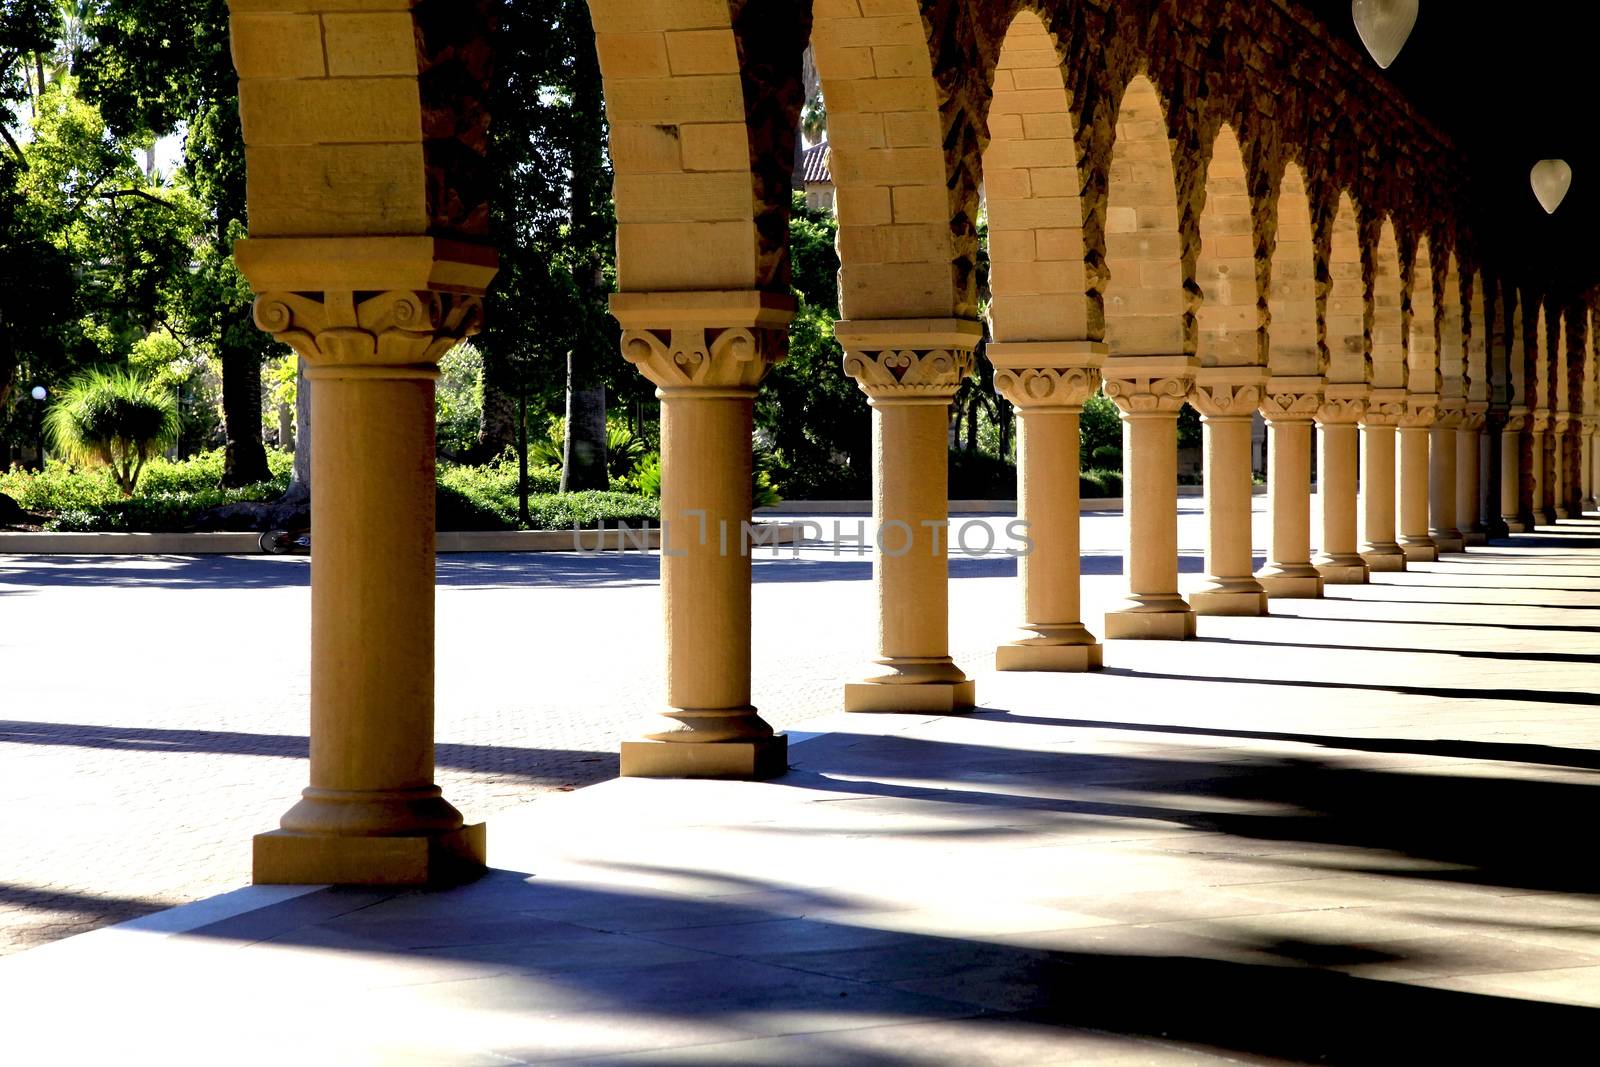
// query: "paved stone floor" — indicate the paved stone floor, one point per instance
point(1357, 831)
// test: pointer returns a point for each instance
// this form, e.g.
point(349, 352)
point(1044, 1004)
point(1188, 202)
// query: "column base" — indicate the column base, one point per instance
point(1447, 542)
point(1298, 581)
point(1387, 557)
point(1420, 551)
point(1177, 624)
point(753, 760)
point(937, 698)
point(1343, 569)
point(451, 857)
point(1038, 656)
point(1474, 537)
point(1230, 601)
point(1515, 526)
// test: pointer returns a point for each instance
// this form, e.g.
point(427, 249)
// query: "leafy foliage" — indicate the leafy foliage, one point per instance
point(114, 418)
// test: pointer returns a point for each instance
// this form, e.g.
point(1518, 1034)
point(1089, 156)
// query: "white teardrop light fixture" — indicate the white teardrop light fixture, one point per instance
point(1384, 26)
point(1551, 179)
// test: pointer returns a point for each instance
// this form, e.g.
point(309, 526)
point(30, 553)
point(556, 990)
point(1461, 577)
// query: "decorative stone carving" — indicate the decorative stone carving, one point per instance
point(1516, 422)
point(1146, 394)
point(1290, 407)
point(733, 358)
point(906, 374)
point(1341, 411)
point(389, 329)
point(1225, 400)
point(1449, 418)
point(1037, 387)
point(1539, 422)
point(1418, 414)
point(1383, 413)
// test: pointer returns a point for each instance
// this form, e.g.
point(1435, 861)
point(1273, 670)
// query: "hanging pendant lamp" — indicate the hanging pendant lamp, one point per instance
point(1384, 26)
point(1551, 179)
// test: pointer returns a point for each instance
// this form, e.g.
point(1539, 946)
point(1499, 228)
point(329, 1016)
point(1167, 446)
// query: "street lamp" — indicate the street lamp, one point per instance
point(39, 392)
point(1384, 26)
point(1551, 178)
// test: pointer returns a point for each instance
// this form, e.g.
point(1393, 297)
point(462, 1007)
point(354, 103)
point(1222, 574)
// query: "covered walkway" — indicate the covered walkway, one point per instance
point(1356, 831)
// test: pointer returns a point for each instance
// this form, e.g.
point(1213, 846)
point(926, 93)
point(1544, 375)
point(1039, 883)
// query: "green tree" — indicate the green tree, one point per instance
point(156, 67)
point(115, 418)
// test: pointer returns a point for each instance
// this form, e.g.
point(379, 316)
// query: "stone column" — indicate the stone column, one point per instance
point(1415, 428)
point(1586, 463)
point(372, 813)
point(1227, 398)
point(706, 353)
point(1469, 496)
point(1048, 383)
point(1538, 430)
point(1378, 545)
point(1338, 561)
point(1150, 391)
point(1560, 430)
point(1511, 470)
point(910, 369)
point(1443, 482)
point(1289, 406)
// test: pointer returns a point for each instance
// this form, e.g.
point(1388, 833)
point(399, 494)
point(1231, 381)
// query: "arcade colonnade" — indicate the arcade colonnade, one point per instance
point(1180, 210)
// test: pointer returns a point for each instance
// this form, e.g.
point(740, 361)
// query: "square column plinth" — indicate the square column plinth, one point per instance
point(283, 857)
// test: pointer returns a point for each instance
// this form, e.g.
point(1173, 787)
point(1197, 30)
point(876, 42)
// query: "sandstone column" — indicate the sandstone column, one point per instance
point(1415, 428)
point(910, 370)
point(1511, 439)
point(1586, 462)
point(706, 353)
point(1538, 468)
point(1378, 545)
point(1337, 561)
point(1469, 459)
point(1150, 391)
point(1444, 483)
point(372, 813)
point(1227, 398)
point(1289, 405)
point(1048, 383)
point(1560, 497)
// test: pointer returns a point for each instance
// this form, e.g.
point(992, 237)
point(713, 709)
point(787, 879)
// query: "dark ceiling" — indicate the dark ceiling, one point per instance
point(1511, 83)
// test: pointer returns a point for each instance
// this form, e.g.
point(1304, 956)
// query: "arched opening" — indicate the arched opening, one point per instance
point(1387, 332)
point(1422, 345)
point(1475, 371)
point(1452, 337)
point(1144, 294)
point(1228, 318)
point(1292, 294)
point(1344, 317)
point(1032, 192)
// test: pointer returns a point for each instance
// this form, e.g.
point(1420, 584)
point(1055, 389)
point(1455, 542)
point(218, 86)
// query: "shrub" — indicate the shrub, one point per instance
point(979, 476)
point(1107, 457)
point(113, 418)
point(1100, 426)
point(1099, 484)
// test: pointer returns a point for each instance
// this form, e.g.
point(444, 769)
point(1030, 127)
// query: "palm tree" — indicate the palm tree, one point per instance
point(113, 417)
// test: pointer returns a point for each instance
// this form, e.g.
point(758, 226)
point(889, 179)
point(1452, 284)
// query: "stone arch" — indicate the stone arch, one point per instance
point(1344, 314)
point(1229, 319)
point(903, 155)
point(1145, 300)
point(702, 102)
point(1452, 335)
point(1292, 292)
point(1388, 344)
point(1422, 332)
point(1515, 303)
point(1539, 356)
point(1476, 382)
point(1037, 278)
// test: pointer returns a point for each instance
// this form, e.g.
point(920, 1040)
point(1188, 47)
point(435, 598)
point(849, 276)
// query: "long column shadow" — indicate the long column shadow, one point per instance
point(1440, 603)
point(1500, 751)
point(1466, 653)
point(1537, 696)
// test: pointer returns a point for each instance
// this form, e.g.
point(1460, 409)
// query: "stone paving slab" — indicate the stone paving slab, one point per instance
point(1366, 848)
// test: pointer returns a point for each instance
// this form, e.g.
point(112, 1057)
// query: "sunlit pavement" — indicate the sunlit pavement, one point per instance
point(1356, 830)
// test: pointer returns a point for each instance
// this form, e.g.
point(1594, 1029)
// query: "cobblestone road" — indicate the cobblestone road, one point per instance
point(154, 708)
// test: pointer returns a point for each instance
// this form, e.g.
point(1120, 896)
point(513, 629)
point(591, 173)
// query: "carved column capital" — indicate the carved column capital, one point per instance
point(1290, 406)
point(398, 333)
point(1561, 422)
point(1146, 395)
point(1472, 421)
point(1032, 388)
point(1383, 413)
point(704, 343)
point(1539, 421)
point(1449, 418)
point(1516, 422)
point(1421, 411)
point(1225, 400)
point(915, 361)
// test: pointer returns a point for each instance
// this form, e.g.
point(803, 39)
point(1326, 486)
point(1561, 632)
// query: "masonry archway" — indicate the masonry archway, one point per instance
point(1386, 404)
